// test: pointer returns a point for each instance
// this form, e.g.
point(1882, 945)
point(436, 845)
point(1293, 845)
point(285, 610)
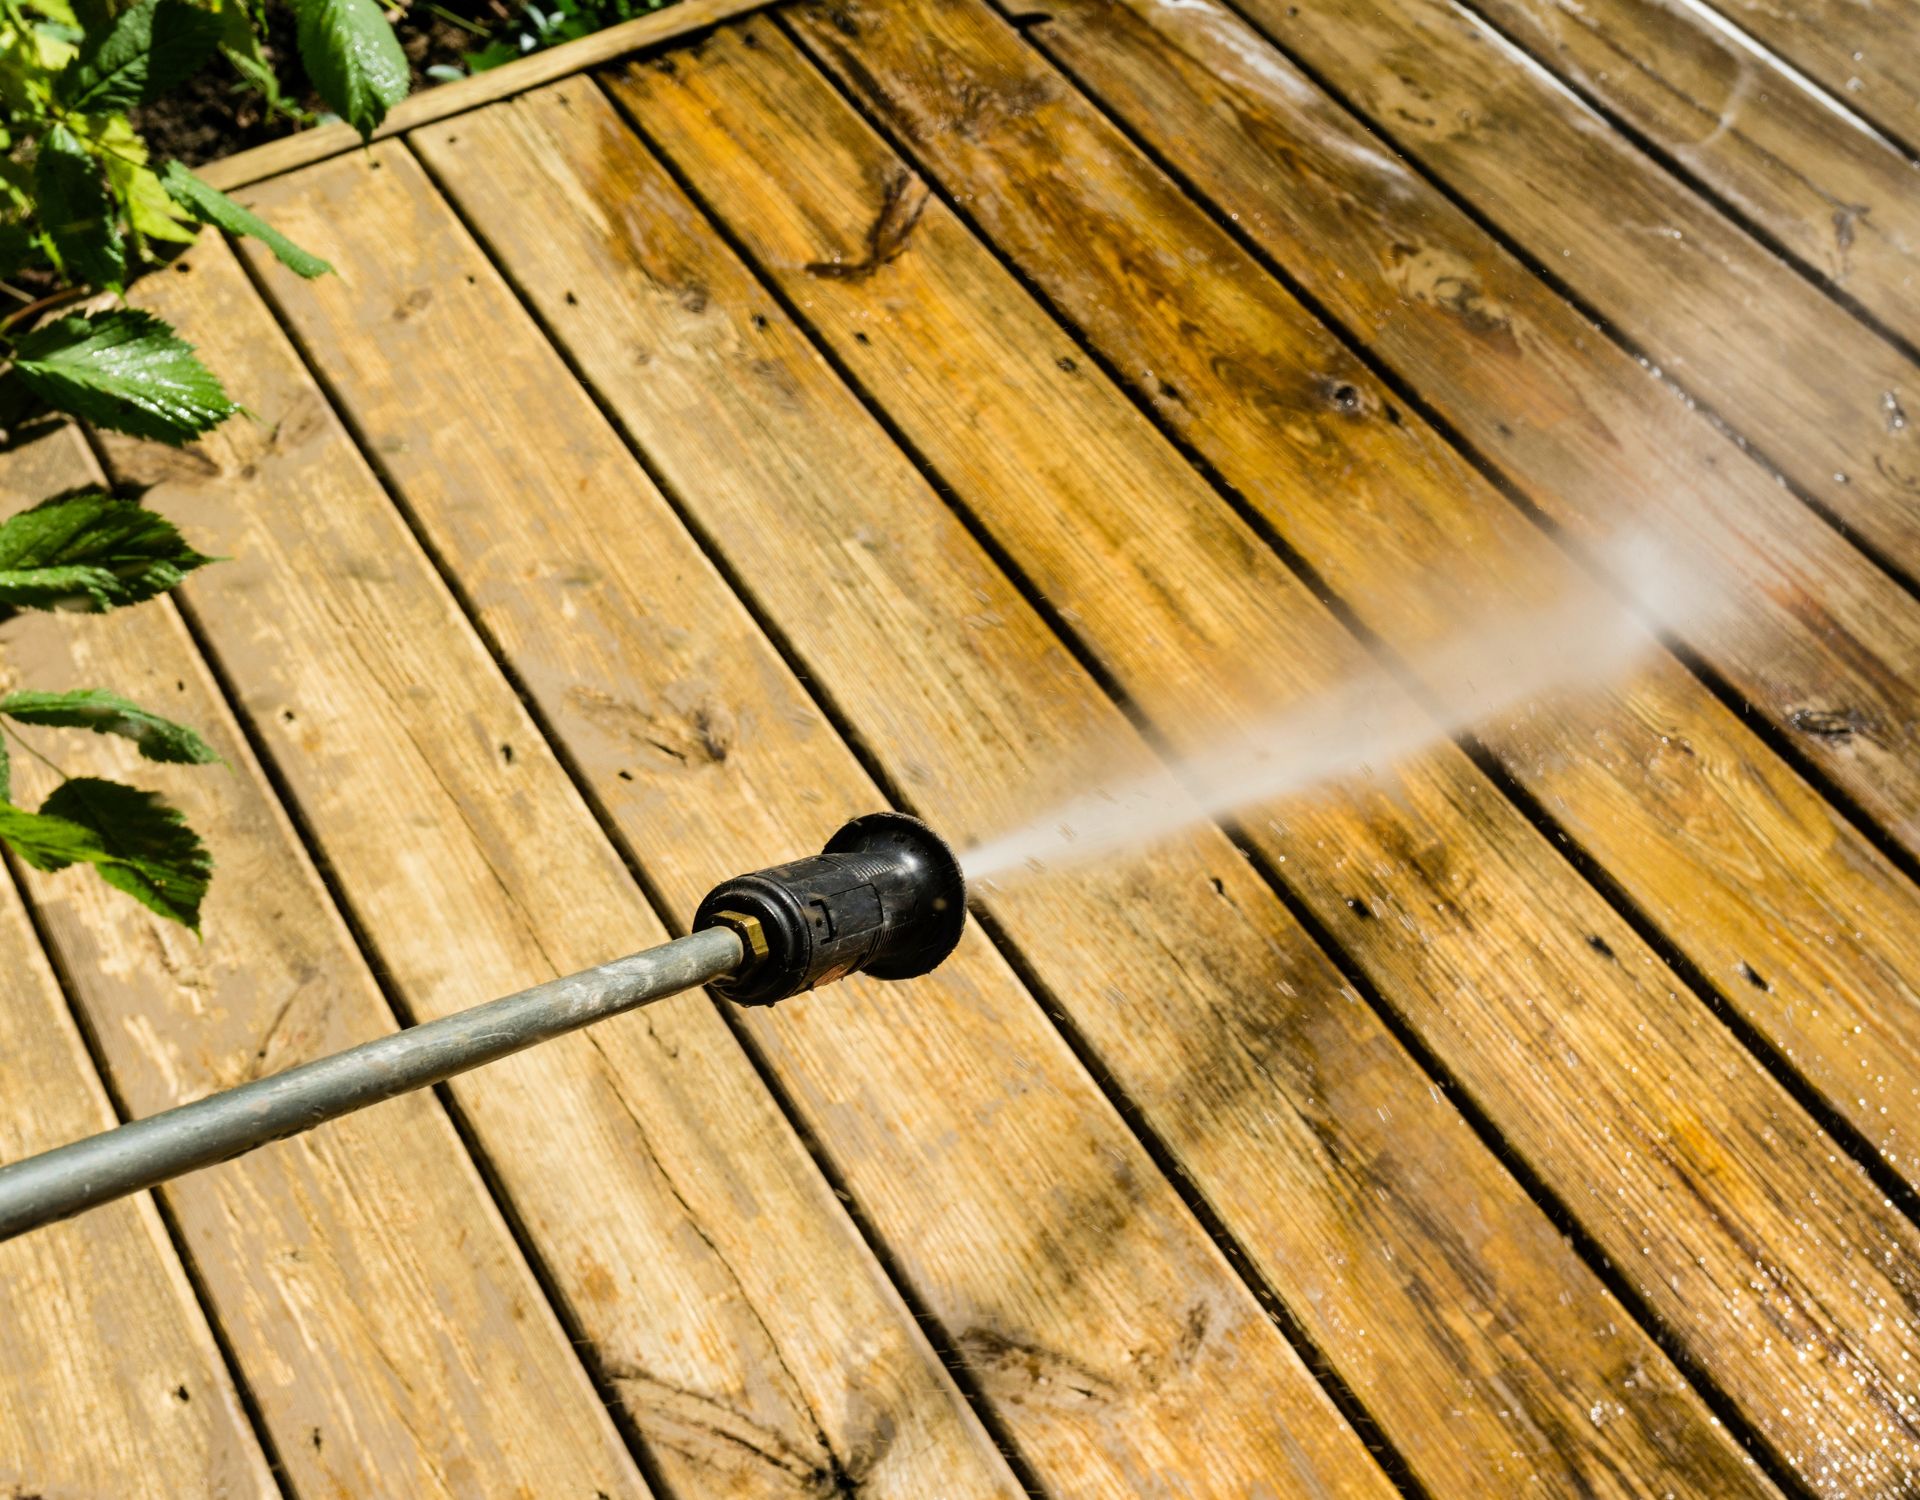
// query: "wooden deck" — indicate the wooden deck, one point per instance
point(935, 403)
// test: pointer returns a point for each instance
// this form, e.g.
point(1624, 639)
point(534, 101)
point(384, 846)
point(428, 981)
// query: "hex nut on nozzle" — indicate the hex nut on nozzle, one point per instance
point(885, 897)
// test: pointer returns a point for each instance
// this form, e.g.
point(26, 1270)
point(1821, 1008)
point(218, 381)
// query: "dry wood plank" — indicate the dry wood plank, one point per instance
point(1799, 923)
point(1122, 1356)
point(1822, 642)
point(947, 675)
point(1441, 890)
point(110, 1383)
point(1837, 195)
point(1867, 55)
point(724, 1292)
point(392, 1334)
point(1801, 379)
point(309, 146)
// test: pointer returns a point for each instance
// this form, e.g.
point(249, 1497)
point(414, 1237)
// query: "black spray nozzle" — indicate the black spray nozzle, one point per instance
point(885, 897)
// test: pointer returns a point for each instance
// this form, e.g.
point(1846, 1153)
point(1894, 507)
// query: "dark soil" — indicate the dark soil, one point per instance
point(217, 113)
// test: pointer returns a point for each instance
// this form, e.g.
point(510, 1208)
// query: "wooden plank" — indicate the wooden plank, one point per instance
point(1438, 888)
point(110, 1383)
point(1802, 927)
point(1352, 1185)
point(1805, 383)
point(258, 163)
point(1838, 196)
point(1823, 643)
point(391, 1331)
point(1865, 55)
point(1119, 1352)
point(724, 1293)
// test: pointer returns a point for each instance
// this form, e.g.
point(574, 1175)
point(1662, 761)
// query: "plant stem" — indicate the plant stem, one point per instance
point(28, 746)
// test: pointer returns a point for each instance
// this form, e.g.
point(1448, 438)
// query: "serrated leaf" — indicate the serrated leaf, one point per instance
point(136, 840)
point(151, 213)
point(352, 59)
point(78, 212)
point(149, 50)
point(215, 207)
point(126, 370)
point(92, 551)
point(108, 713)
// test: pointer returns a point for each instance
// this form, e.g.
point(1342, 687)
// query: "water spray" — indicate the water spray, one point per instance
point(885, 897)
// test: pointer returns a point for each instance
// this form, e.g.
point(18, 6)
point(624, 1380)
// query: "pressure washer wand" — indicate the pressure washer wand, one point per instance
point(885, 897)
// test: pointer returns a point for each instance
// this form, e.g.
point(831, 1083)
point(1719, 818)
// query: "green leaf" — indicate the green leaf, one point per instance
point(126, 370)
point(6, 774)
point(78, 212)
point(352, 58)
point(150, 49)
point(108, 713)
point(91, 550)
point(215, 207)
point(138, 843)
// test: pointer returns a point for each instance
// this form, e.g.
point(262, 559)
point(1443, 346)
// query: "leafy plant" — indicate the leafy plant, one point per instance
point(82, 211)
point(539, 27)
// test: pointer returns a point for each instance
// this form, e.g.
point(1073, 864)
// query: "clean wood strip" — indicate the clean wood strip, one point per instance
point(1414, 1262)
point(390, 1330)
point(275, 157)
point(1118, 1350)
point(737, 1313)
point(1566, 1030)
point(1821, 641)
point(110, 1383)
point(1800, 924)
point(1868, 56)
point(1807, 384)
point(1836, 195)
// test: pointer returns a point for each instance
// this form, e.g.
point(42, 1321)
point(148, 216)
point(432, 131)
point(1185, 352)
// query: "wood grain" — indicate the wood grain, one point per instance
point(274, 158)
point(1864, 54)
point(390, 1330)
point(1798, 923)
point(725, 1295)
point(1839, 197)
point(1439, 890)
point(1819, 640)
point(110, 1383)
point(1117, 1349)
point(1803, 381)
point(1307, 1128)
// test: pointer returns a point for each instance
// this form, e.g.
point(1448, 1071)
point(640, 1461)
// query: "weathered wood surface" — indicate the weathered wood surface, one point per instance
point(386, 1324)
point(1798, 923)
point(1224, 1143)
point(1807, 384)
point(995, 1227)
point(110, 1383)
point(1864, 54)
point(1205, 633)
point(1839, 197)
point(707, 414)
point(1817, 639)
point(1113, 1342)
point(720, 1287)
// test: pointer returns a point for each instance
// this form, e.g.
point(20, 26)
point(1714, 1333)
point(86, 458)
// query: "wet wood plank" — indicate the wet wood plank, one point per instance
point(1804, 382)
point(721, 1289)
point(1865, 55)
point(1117, 1349)
point(1440, 890)
point(1833, 193)
point(1797, 922)
point(110, 1383)
point(390, 1330)
point(745, 423)
point(1821, 641)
